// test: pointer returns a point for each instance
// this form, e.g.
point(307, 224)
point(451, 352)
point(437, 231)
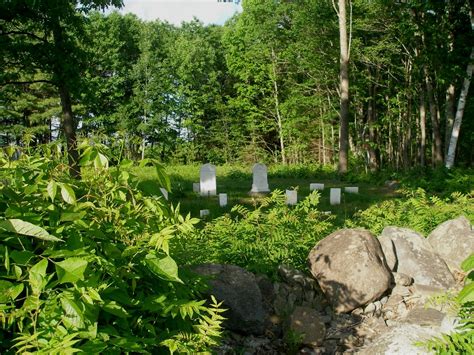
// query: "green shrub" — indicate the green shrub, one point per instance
point(262, 238)
point(85, 264)
point(417, 211)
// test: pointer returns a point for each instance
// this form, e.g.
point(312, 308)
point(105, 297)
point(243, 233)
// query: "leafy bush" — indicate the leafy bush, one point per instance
point(417, 210)
point(259, 239)
point(86, 263)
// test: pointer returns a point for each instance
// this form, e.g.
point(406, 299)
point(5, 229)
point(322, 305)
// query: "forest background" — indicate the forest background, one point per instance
point(263, 87)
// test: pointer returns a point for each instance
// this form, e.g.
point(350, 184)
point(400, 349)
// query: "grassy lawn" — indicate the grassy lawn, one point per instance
point(237, 181)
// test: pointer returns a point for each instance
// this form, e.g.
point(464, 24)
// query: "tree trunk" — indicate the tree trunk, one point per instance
point(449, 114)
point(437, 141)
point(277, 108)
point(459, 113)
point(68, 124)
point(69, 128)
point(344, 90)
point(422, 128)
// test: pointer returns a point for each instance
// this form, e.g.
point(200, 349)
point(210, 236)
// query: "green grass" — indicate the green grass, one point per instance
point(236, 181)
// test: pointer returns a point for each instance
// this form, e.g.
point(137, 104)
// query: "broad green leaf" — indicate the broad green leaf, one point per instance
point(9, 291)
point(37, 276)
point(18, 271)
point(52, 189)
point(165, 268)
point(468, 264)
point(101, 161)
point(72, 216)
point(466, 294)
point(114, 308)
point(71, 270)
point(21, 257)
point(68, 194)
point(26, 228)
point(73, 315)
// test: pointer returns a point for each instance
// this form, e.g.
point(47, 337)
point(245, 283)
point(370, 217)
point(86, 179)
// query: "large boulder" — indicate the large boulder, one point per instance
point(349, 266)
point(389, 251)
point(416, 258)
point(453, 240)
point(239, 291)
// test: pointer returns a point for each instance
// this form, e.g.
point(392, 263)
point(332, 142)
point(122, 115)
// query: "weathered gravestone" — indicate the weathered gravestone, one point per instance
point(335, 196)
point(291, 197)
point(222, 200)
point(203, 213)
point(260, 179)
point(316, 186)
point(207, 182)
point(351, 189)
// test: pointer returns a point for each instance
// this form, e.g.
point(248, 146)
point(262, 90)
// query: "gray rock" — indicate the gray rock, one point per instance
point(240, 294)
point(402, 279)
point(389, 251)
point(400, 339)
point(307, 323)
point(350, 268)
point(425, 317)
point(401, 290)
point(417, 259)
point(453, 240)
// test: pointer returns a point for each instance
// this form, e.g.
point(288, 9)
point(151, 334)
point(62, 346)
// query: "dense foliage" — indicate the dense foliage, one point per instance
point(262, 87)
point(85, 264)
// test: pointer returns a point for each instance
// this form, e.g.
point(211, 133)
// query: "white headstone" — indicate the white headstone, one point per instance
point(291, 197)
point(196, 187)
point(164, 192)
point(207, 181)
point(313, 187)
point(351, 189)
point(335, 196)
point(260, 180)
point(222, 200)
point(203, 213)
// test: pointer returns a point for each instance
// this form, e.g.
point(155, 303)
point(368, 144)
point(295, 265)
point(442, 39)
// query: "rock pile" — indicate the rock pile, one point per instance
point(366, 294)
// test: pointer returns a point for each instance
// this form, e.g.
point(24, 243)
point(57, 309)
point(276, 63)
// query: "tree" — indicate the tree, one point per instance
point(44, 36)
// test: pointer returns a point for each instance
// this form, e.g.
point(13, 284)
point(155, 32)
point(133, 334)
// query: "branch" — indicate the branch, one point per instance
point(26, 82)
point(32, 35)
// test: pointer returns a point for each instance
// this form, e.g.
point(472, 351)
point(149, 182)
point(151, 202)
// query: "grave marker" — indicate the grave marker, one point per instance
point(335, 196)
point(207, 177)
point(222, 200)
point(203, 213)
point(291, 197)
point(316, 186)
point(260, 179)
point(351, 189)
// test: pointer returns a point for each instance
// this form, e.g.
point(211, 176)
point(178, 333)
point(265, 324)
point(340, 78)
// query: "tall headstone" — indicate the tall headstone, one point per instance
point(335, 196)
point(196, 187)
point(164, 193)
point(291, 197)
point(207, 181)
point(351, 189)
point(315, 186)
point(260, 179)
point(222, 200)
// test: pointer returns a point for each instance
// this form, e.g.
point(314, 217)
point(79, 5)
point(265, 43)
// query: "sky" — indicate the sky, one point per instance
point(177, 11)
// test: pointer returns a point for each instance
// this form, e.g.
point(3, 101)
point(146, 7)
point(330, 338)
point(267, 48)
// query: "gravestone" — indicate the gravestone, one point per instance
point(203, 213)
point(260, 180)
point(291, 197)
point(222, 200)
point(315, 186)
point(207, 181)
point(164, 193)
point(351, 189)
point(196, 187)
point(335, 196)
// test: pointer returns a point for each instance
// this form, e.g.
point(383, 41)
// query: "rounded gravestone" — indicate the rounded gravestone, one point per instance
point(260, 179)
point(349, 266)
